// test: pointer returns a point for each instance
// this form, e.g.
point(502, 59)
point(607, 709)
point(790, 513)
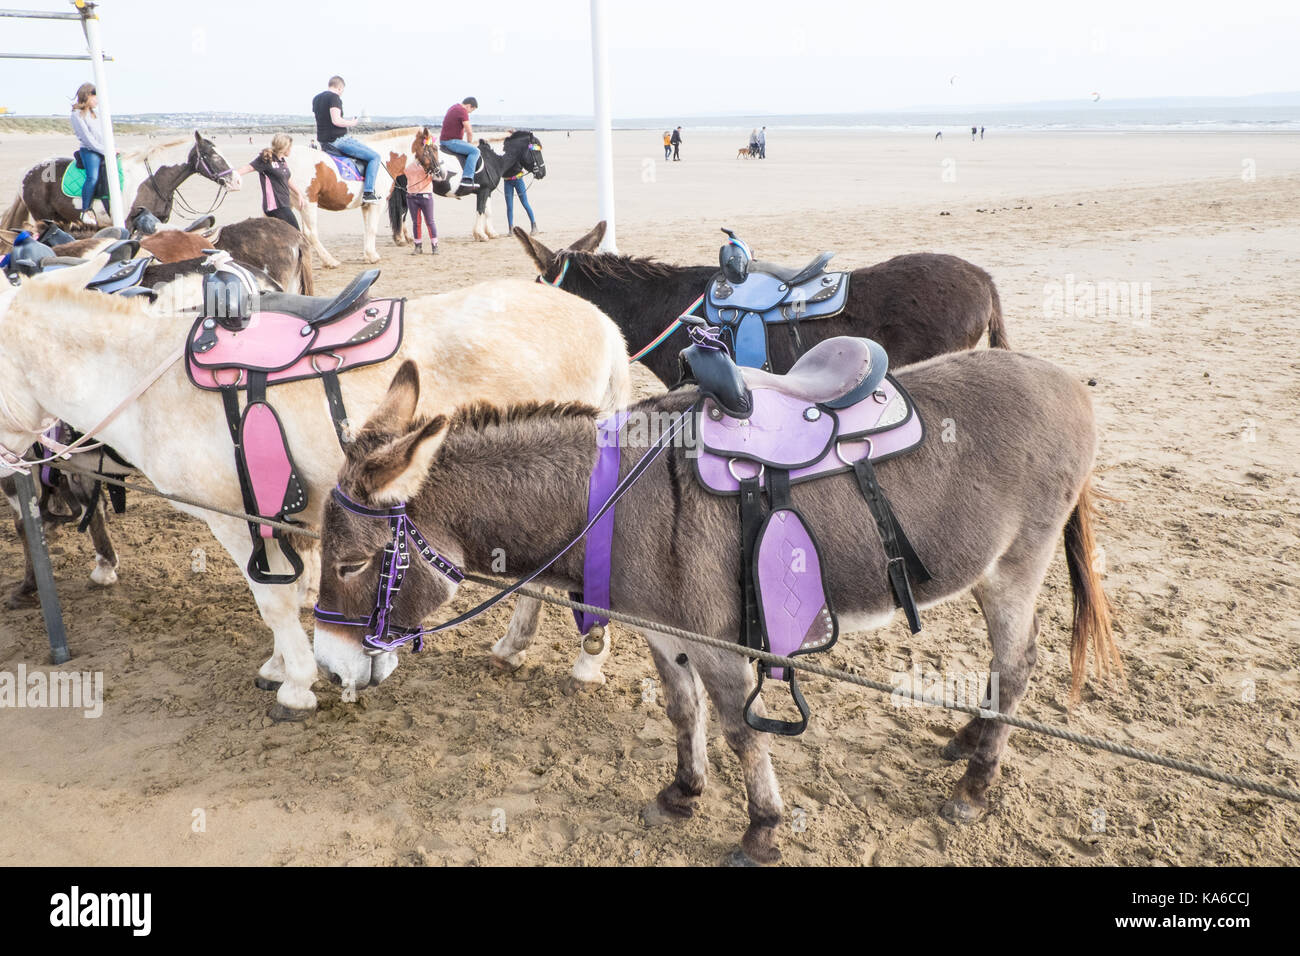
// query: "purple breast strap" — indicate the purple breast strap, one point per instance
point(600, 540)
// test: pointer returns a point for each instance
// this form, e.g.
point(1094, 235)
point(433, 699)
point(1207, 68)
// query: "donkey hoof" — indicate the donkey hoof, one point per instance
point(741, 858)
point(959, 811)
point(573, 686)
point(507, 665)
point(287, 715)
point(653, 815)
point(261, 683)
point(21, 599)
point(954, 750)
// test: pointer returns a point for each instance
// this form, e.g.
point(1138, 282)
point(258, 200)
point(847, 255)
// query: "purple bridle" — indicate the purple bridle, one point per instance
point(383, 634)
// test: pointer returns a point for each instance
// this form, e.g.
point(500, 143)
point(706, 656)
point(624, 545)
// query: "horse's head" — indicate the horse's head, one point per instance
point(530, 152)
point(425, 150)
point(365, 528)
point(206, 160)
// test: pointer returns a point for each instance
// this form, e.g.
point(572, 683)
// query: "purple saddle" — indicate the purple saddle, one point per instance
point(245, 344)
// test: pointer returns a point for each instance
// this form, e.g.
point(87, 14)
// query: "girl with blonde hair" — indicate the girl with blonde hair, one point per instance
point(85, 124)
point(272, 168)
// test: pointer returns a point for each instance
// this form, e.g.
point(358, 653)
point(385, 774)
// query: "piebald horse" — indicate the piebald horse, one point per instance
point(150, 179)
point(72, 354)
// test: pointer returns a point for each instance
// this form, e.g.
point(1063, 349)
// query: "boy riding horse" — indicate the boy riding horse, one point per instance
point(332, 129)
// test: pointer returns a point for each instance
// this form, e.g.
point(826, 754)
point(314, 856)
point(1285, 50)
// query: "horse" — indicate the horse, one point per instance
point(520, 152)
point(916, 306)
point(69, 354)
point(151, 178)
point(326, 190)
point(986, 512)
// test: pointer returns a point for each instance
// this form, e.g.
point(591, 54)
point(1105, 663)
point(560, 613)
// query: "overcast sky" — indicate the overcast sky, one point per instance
point(668, 57)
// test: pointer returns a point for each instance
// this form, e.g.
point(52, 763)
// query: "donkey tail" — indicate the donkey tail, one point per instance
point(306, 276)
point(1091, 608)
point(997, 328)
point(15, 216)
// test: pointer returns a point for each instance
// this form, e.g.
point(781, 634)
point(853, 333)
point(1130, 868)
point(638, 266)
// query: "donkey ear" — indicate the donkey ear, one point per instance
point(543, 257)
point(396, 412)
point(591, 241)
point(396, 471)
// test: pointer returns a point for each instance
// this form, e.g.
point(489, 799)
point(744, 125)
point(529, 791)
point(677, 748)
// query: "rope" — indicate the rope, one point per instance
point(776, 660)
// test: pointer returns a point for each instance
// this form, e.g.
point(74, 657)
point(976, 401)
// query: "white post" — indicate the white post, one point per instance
point(90, 23)
point(604, 136)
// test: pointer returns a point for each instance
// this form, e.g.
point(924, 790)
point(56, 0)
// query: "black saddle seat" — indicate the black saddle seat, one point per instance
point(329, 148)
point(791, 276)
point(836, 372)
point(320, 309)
point(202, 223)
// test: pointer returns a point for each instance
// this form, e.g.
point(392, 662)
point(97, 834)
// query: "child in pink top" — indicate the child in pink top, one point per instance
point(419, 202)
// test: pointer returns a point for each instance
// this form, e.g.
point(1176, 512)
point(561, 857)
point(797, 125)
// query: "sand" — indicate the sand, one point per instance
point(1196, 379)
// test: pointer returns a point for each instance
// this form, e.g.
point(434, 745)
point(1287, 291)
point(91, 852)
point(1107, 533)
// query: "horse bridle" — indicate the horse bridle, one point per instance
point(382, 634)
point(203, 169)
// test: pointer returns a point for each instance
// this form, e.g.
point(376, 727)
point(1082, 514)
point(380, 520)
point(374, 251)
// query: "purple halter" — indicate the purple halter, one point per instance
point(382, 634)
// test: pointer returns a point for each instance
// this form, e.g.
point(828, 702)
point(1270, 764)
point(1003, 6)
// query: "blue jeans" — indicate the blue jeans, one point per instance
point(93, 163)
point(513, 185)
point(468, 153)
point(354, 148)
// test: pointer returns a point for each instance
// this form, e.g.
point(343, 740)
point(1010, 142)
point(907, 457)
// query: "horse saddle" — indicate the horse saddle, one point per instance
point(836, 411)
point(245, 342)
point(74, 178)
point(350, 170)
point(460, 160)
point(122, 274)
point(748, 295)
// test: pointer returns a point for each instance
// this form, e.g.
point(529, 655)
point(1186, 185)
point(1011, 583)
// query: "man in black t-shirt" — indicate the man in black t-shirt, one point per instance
point(332, 128)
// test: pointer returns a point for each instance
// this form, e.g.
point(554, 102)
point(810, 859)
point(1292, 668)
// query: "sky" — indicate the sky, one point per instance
point(667, 57)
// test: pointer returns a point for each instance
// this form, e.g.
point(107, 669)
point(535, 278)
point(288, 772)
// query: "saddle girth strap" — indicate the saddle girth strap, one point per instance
point(903, 561)
point(334, 396)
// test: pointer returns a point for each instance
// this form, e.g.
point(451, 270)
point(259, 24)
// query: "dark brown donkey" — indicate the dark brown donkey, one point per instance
point(986, 512)
point(917, 306)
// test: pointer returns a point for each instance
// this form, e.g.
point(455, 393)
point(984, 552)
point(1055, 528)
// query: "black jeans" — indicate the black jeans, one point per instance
point(287, 215)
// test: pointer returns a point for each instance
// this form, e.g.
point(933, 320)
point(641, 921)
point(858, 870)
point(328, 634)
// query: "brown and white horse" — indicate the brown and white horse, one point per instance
point(71, 354)
point(150, 179)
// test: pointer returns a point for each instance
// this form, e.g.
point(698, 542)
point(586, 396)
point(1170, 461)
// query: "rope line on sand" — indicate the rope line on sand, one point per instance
point(632, 620)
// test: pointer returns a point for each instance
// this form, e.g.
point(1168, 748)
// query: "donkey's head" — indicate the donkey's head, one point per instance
point(549, 263)
point(206, 160)
point(361, 578)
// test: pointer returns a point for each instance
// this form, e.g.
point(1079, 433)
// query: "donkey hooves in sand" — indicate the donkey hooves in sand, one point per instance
point(573, 686)
point(759, 844)
point(507, 665)
point(960, 811)
point(21, 598)
point(956, 750)
point(261, 683)
point(288, 715)
point(672, 805)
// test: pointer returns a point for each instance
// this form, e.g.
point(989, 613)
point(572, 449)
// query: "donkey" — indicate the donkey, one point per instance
point(916, 306)
point(521, 152)
point(986, 511)
point(70, 354)
point(150, 180)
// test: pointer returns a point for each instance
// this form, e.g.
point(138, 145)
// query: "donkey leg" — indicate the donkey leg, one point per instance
point(105, 573)
point(24, 593)
point(509, 652)
point(685, 704)
point(729, 678)
point(1007, 600)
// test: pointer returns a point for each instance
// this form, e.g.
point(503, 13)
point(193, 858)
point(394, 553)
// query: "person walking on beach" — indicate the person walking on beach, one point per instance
point(419, 201)
point(272, 168)
point(668, 144)
point(981, 132)
point(973, 131)
point(676, 142)
point(753, 142)
point(458, 137)
point(762, 143)
point(332, 128)
point(85, 124)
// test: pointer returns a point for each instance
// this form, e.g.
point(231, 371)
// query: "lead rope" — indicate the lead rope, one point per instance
point(776, 660)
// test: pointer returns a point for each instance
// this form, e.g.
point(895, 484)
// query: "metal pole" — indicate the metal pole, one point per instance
point(90, 23)
point(40, 558)
point(38, 15)
point(604, 136)
point(50, 56)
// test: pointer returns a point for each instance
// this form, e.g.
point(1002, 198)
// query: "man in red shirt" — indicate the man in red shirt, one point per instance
point(458, 137)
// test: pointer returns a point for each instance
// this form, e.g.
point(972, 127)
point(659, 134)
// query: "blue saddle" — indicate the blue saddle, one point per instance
point(350, 170)
point(122, 274)
point(768, 294)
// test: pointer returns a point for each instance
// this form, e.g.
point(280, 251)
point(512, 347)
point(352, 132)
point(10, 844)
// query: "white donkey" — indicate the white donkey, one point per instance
point(73, 355)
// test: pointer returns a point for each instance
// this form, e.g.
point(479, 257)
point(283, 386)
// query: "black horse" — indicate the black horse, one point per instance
point(917, 306)
point(521, 151)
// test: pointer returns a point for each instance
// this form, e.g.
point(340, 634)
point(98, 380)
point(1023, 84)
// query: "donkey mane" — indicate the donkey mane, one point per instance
point(604, 265)
point(481, 415)
point(152, 150)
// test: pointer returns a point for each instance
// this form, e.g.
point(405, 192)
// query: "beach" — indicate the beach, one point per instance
point(1161, 268)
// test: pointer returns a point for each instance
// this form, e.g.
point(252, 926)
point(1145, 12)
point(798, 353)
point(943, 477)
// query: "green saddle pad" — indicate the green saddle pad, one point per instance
point(74, 178)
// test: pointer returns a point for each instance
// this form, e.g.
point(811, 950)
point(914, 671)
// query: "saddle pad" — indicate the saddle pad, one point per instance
point(74, 178)
point(791, 588)
point(349, 169)
point(288, 348)
point(882, 426)
point(782, 431)
point(821, 296)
